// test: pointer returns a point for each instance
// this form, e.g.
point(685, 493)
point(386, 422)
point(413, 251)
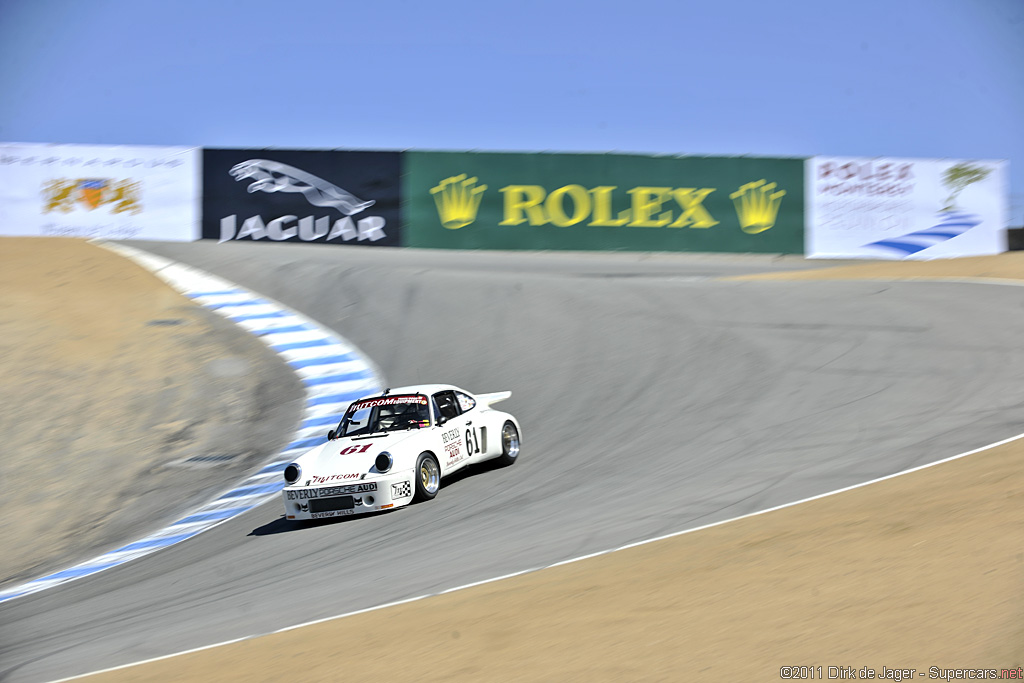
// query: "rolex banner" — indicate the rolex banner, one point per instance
point(466, 200)
point(326, 197)
point(888, 208)
point(112, 192)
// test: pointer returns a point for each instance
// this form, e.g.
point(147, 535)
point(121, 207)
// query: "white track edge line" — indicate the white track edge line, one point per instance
point(551, 566)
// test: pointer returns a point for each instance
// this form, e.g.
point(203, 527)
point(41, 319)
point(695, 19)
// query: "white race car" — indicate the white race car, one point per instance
point(393, 449)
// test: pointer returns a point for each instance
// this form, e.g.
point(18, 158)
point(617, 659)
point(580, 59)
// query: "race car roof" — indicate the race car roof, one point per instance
point(427, 389)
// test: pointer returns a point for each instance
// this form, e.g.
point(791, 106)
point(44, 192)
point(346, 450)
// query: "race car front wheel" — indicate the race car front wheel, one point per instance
point(428, 477)
point(509, 444)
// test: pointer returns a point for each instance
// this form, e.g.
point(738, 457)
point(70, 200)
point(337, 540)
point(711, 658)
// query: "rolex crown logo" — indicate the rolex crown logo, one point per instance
point(457, 199)
point(757, 205)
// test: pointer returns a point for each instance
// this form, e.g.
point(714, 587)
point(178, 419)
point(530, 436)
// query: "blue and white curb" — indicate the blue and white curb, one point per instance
point(952, 224)
point(334, 373)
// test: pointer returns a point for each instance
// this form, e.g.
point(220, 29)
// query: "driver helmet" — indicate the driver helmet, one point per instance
point(410, 412)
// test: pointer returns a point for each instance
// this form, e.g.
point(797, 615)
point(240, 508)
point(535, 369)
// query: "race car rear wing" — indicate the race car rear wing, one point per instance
point(491, 399)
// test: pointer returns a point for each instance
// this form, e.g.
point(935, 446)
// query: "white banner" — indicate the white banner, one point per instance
point(890, 208)
point(114, 192)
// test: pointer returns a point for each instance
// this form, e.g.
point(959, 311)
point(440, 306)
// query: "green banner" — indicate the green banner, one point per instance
point(469, 200)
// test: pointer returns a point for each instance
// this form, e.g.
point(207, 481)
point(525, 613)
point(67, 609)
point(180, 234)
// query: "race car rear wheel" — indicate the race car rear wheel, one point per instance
point(509, 444)
point(428, 477)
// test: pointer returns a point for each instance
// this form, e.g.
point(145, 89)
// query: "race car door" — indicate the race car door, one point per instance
point(476, 429)
point(457, 445)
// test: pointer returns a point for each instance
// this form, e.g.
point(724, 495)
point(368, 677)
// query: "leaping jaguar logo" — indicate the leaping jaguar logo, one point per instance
point(271, 176)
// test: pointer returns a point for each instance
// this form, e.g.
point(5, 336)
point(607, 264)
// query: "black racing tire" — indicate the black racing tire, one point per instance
point(427, 476)
point(509, 444)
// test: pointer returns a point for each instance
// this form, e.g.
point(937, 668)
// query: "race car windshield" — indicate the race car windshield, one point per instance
point(385, 414)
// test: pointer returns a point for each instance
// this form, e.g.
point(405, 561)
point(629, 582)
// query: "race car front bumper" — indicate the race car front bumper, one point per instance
point(324, 502)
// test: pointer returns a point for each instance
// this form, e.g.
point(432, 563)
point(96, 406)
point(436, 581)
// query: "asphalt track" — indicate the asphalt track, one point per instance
point(653, 398)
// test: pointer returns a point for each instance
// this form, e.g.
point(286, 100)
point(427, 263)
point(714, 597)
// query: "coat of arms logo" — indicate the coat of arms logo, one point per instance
point(64, 194)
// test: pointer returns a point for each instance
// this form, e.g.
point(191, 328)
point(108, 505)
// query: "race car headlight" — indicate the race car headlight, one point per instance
point(383, 461)
point(292, 473)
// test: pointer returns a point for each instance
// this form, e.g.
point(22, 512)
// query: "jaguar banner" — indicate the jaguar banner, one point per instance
point(896, 208)
point(467, 200)
point(329, 197)
point(103, 191)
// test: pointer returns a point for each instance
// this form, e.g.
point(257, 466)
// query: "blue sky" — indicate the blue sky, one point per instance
point(915, 78)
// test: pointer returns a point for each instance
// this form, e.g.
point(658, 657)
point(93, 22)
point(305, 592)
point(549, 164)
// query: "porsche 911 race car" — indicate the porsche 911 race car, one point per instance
point(393, 449)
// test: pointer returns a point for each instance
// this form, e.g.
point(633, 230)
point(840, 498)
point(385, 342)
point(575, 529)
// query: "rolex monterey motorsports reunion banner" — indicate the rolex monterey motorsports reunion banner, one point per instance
point(896, 208)
point(468, 200)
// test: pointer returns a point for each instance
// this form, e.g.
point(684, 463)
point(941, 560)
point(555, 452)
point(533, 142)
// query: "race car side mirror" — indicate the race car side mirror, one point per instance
point(330, 435)
point(441, 419)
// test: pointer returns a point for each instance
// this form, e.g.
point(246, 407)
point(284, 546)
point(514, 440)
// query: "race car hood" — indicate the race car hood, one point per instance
point(348, 459)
